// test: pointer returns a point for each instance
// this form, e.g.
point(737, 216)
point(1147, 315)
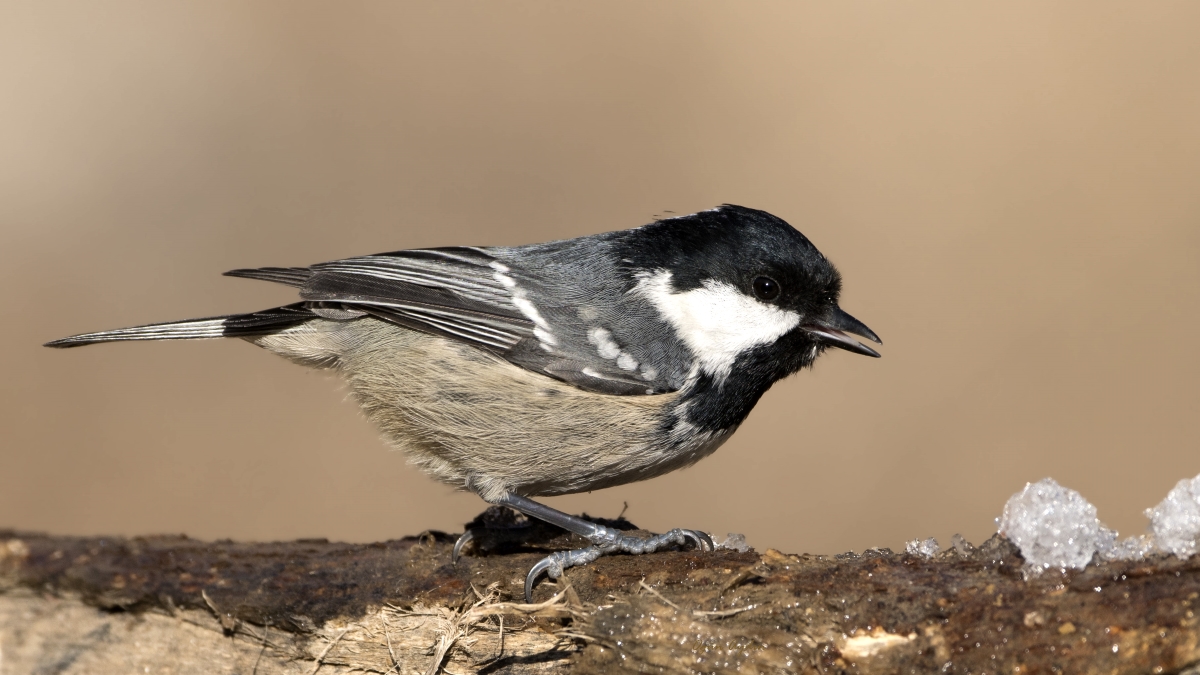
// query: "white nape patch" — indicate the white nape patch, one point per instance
point(541, 331)
point(716, 321)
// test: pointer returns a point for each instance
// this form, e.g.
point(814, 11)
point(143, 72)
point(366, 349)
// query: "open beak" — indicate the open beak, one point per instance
point(834, 332)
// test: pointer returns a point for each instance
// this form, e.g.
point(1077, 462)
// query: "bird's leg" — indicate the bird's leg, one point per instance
point(605, 540)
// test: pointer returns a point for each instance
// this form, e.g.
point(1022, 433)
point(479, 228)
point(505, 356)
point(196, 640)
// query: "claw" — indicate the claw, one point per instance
point(551, 565)
point(466, 538)
point(702, 540)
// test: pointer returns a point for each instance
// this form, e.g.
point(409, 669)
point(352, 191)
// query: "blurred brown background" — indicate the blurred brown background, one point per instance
point(1010, 191)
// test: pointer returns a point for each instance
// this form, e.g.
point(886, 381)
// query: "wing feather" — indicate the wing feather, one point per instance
point(452, 292)
point(466, 294)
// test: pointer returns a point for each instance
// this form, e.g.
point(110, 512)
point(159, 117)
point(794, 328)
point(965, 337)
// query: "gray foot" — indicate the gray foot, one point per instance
point(607, 541)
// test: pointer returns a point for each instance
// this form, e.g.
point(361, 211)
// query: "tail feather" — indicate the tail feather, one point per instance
point(291, 276)
point(235, 325)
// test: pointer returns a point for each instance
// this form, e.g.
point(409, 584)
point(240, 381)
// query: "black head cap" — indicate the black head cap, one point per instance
point(737, 245)
point(758, 253)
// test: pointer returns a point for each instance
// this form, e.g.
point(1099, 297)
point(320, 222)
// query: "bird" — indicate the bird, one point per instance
point(558, 367)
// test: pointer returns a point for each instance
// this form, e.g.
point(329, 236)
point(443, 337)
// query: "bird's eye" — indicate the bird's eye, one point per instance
point(766, 288)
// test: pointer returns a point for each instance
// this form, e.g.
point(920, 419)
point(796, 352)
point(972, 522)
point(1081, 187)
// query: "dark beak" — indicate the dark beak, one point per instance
point(834, 332)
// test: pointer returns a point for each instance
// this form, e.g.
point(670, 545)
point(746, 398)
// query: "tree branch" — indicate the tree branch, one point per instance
point(100, 605)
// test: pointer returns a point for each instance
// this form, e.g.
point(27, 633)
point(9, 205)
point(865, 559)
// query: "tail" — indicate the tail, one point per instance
point(265, 322)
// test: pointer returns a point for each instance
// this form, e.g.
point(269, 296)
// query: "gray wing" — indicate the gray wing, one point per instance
point(465, 294)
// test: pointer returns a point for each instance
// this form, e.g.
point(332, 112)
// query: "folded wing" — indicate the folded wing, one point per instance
point(461, 293)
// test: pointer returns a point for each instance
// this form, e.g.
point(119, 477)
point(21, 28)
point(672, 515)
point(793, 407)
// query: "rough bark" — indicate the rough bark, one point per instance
point(176, 605)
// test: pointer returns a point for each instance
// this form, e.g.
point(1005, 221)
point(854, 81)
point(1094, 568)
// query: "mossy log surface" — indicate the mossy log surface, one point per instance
point(177, 605)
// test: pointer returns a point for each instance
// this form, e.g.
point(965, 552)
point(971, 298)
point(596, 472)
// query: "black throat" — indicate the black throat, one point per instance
point(712, 405)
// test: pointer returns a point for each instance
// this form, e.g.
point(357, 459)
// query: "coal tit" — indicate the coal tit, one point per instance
point(560, 367)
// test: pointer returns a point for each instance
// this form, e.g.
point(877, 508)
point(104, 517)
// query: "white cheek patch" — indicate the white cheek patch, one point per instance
point(716, 321)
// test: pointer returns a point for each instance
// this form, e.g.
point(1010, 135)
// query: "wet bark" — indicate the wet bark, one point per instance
point(172, 604)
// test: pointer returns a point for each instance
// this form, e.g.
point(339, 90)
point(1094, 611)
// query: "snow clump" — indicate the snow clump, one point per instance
point(733, 542)
point(1129, 548)
point(1176, 519)
point(926, 549)
point(1053, 526)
